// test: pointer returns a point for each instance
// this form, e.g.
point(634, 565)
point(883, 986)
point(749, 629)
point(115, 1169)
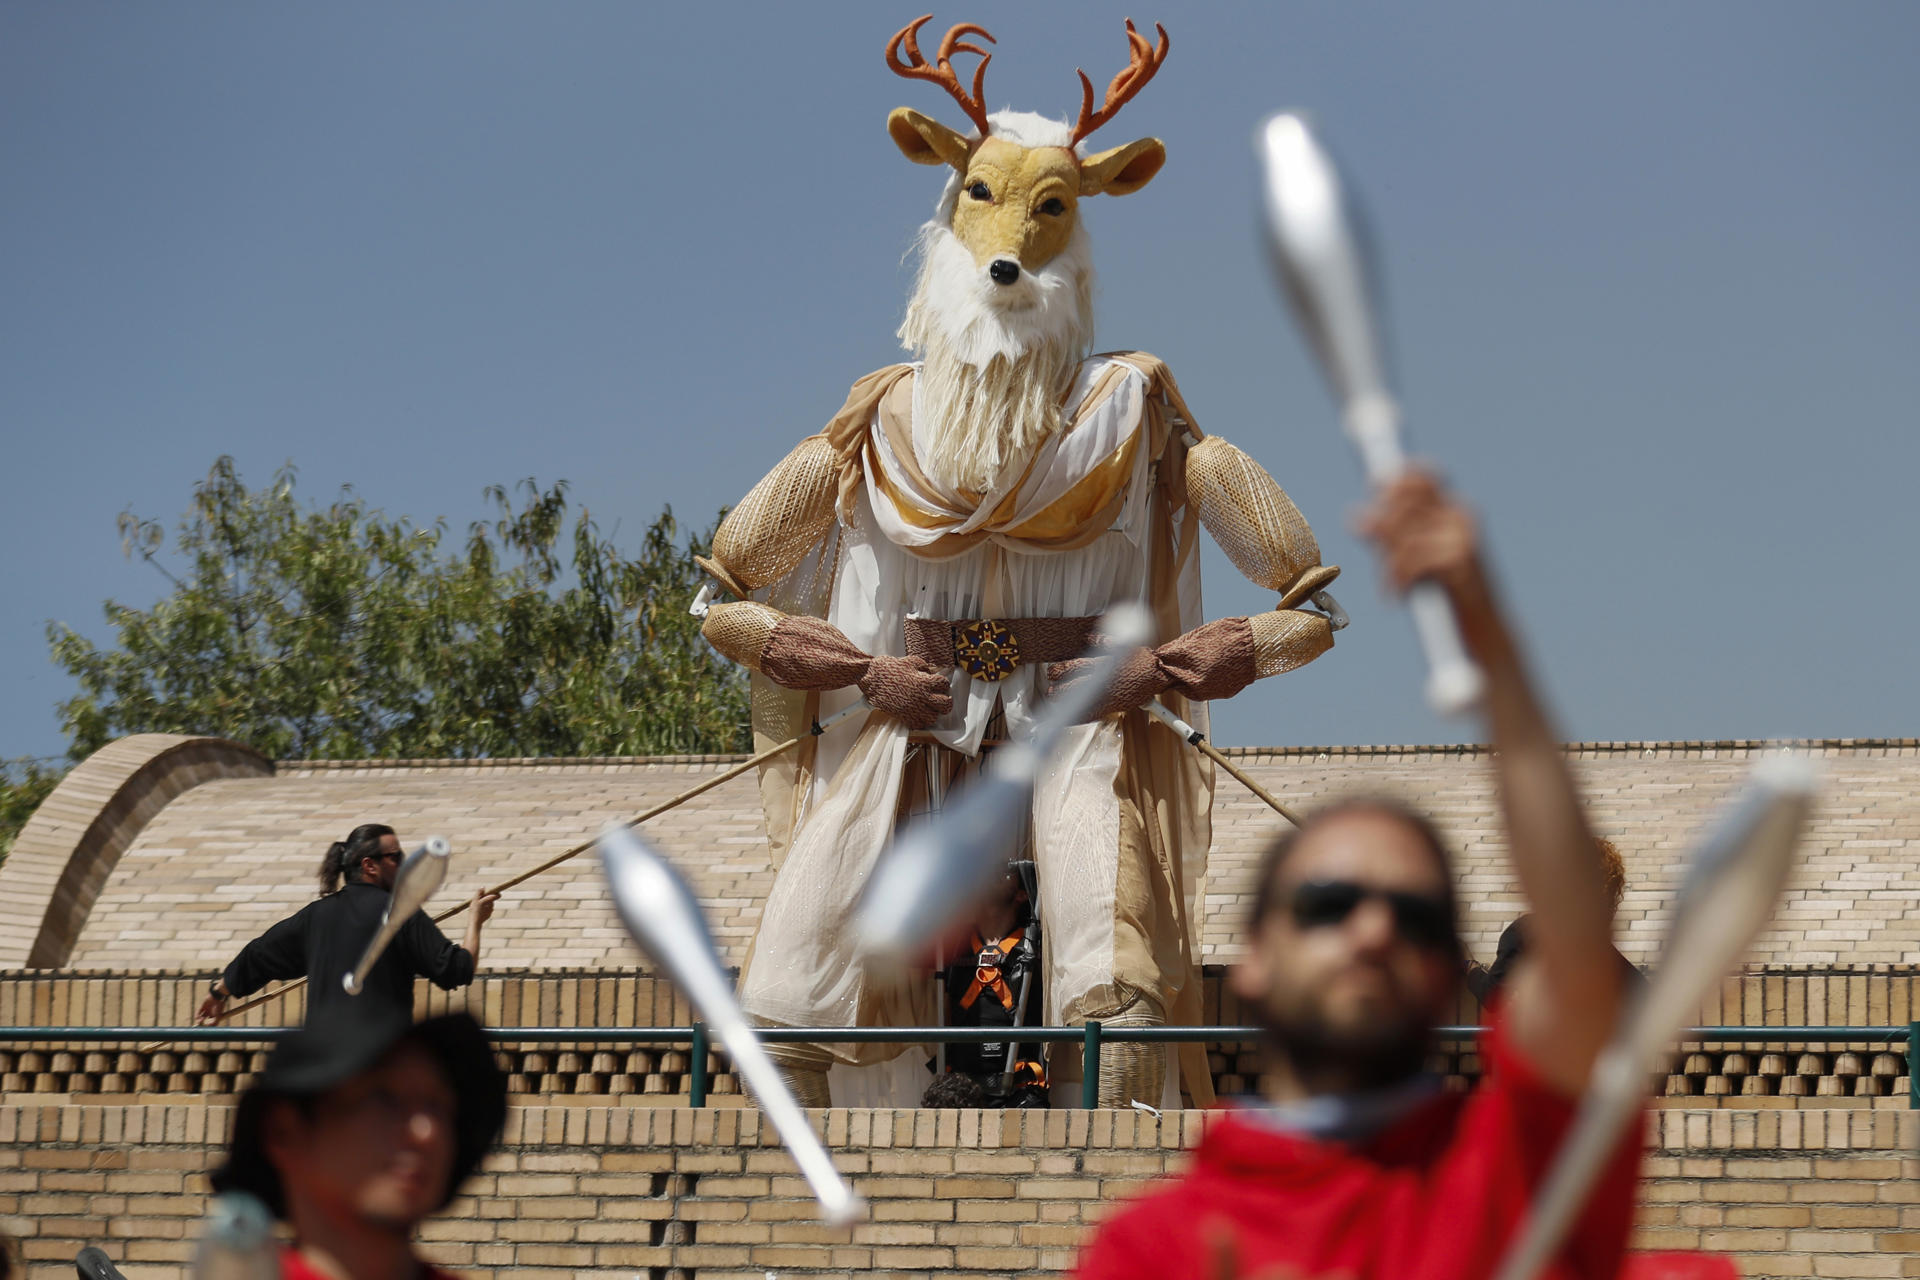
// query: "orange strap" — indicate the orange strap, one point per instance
point(987, 977)
point(1030, 1073)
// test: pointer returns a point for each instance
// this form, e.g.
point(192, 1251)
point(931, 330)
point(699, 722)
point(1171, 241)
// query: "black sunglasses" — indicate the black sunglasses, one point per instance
point(1423, 920)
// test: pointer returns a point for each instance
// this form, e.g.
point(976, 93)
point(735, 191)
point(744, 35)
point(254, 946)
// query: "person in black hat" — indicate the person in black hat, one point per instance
point(324, 939)
point(361, 1126)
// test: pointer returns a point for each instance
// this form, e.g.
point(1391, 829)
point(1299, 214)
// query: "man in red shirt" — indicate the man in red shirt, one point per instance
point(1356, 1164)
point(363, 1125)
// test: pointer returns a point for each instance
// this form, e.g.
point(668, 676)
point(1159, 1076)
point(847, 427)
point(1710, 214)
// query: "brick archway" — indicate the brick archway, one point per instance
point(64, 854)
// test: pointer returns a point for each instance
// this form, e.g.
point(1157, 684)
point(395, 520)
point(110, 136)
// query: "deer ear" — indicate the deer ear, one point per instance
point(1123, 170)
point(925, 140)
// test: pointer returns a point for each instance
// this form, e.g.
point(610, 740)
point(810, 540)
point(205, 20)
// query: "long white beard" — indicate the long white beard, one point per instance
point(999, 359)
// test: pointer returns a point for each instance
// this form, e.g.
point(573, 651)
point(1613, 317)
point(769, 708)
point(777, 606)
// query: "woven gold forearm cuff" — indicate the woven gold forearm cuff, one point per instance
point(741, 630)
point(1287, 638)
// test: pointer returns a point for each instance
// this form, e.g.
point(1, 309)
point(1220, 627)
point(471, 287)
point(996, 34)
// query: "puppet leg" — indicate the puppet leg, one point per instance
point(1105, 905)
point(1131, 1072)
point(804, 971)
point(807, 1084)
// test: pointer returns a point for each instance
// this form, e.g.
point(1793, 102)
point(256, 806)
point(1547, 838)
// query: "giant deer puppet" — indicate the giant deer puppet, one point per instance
point(957, 528)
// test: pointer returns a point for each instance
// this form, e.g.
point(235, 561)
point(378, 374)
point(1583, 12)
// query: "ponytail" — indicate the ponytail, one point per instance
point(331, 867)
point(342, 858)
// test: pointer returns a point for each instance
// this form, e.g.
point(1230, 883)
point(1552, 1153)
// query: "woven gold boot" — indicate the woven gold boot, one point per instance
point(804, 1069)
point(808, 1085)
point(1133, 1072)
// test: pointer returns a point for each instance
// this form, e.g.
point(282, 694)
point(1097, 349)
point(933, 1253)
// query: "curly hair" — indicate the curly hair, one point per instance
point(1613, 870)
point(954, 1089)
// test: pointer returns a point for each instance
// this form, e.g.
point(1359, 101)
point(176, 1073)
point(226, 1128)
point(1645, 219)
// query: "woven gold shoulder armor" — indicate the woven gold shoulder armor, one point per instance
point(1254, 521)
point(770, 532)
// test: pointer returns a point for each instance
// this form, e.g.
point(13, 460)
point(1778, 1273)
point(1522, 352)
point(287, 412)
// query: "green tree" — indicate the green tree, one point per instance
point(339, 633)
point(24, 784)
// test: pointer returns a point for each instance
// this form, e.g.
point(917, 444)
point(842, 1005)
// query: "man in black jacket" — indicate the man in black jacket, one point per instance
point(324, 939)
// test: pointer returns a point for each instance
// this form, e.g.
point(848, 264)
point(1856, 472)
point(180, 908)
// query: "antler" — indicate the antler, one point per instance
point(942, 72)
point(1142, 62)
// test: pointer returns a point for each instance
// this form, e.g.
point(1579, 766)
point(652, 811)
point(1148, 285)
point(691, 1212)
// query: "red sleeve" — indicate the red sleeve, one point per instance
point(1508, 1135)
point(1135, 1243)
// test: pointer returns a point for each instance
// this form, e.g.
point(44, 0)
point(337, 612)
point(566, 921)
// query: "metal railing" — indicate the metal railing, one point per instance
point(1091, 1036)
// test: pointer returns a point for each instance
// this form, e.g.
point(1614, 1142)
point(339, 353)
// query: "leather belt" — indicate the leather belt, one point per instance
point(992, 649)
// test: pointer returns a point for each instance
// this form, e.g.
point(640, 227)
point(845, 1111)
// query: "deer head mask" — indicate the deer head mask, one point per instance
point(1019, 204)
point(1002, 312)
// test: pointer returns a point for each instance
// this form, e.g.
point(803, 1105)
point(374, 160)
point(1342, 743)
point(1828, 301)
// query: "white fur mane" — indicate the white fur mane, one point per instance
point(998, 359)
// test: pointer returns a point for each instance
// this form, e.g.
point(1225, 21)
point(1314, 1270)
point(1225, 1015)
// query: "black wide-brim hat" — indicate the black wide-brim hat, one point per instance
point(339, 1044)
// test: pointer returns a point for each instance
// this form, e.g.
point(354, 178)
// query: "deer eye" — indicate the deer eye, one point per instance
point(1053, 208)
point(979, 191)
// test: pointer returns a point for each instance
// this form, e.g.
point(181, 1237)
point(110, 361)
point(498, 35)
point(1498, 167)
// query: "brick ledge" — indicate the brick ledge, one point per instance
point(1678, 1130)
point(1647, 749)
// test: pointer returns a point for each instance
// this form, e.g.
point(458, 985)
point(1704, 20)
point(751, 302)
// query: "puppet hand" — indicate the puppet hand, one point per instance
point(1215, 660)
point(911, 690)
point(1138, 677)
point(811, 654)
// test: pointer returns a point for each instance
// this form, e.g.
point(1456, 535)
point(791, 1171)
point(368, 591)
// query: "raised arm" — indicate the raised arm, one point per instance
point(480, 911)
point(1563, 996)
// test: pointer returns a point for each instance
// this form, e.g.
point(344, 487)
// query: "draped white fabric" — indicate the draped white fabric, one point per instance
point(803, 972)
point(1062, 461)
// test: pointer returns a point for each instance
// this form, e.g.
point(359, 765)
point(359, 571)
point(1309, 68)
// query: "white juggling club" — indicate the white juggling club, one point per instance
point(941, 865)
point(665, 919)
point(1319, 242)
point(236, 1242)
point(1732, 883)
point(421, 876)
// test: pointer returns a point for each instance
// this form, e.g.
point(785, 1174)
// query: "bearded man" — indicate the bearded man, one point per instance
point(1356, 1163)
point(957, 529)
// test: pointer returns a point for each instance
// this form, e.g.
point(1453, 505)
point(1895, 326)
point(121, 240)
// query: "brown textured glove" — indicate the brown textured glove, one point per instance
point(1215, 660)
point(811, 654)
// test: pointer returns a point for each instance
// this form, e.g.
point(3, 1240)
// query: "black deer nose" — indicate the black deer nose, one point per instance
point(1004, 271)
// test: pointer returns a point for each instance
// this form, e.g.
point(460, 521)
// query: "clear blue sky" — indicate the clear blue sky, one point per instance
point(1653, 272)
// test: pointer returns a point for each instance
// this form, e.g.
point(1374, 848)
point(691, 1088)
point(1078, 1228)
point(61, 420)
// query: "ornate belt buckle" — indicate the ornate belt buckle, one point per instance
point(986, 649)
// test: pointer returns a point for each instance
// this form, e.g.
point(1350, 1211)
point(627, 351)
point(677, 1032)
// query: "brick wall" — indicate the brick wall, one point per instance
point(677, 1195)
point(223, 861)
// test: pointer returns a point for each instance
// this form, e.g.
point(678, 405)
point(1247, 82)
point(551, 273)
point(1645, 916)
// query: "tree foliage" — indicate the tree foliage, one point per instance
point(23, 785)
point(340, 633)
